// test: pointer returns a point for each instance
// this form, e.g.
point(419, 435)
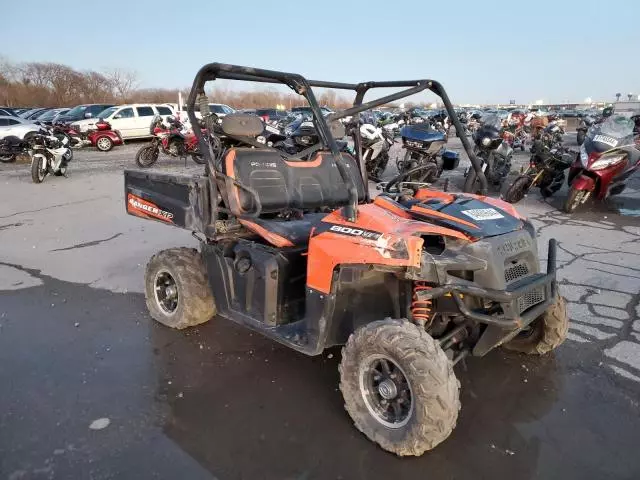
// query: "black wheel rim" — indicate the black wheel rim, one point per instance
point(386, 391)
point(166, 292)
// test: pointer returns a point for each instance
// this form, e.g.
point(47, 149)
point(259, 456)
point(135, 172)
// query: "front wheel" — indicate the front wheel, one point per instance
point(38, 169)
point(518, 189)
point(545, 333)
point(147, 156)
point(7, 158)
point(472, 182)
point(399, 387)
point(575, 199)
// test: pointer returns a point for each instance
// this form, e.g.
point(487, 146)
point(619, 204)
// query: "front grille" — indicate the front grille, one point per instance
point(530, 299)
point(515, 271)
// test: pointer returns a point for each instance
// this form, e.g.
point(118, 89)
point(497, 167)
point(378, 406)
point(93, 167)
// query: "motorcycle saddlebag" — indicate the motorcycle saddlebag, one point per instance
point(450, 160)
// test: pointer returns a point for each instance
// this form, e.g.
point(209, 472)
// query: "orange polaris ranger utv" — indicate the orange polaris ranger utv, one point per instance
point(410, 282)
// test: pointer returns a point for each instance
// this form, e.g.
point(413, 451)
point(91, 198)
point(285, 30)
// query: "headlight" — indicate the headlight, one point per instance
point(584, 157)
point(608, 160)
point(486, 141)
point(261, 139)
point(305, 140)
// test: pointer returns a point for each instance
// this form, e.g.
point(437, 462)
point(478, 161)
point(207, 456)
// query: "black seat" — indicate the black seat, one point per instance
point(285, 185)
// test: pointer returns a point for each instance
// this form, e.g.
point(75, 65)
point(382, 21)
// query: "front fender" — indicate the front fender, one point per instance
point(584, 182)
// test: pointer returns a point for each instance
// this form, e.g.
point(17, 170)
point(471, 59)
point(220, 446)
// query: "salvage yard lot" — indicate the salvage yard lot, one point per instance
point(77, 345)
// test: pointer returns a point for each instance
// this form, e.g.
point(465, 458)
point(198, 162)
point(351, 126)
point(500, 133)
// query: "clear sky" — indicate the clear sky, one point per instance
point(482, 51)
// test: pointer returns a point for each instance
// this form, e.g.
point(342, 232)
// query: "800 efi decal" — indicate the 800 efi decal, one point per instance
point(144, 208)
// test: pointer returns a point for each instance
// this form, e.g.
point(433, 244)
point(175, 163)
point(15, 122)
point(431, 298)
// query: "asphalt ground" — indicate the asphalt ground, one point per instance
point(78, 350)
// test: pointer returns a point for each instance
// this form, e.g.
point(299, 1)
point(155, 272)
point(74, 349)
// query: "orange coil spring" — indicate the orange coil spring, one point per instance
point(420, 309)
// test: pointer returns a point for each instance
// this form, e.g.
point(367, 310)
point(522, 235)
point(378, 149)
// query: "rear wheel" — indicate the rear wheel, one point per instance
point(177, 289)
point(545, 333)
point(38, 169)
point(147, 156)
point(104, 144)
point(399, 387)
point(574, 200)
point(518, 189)
point(7, 158)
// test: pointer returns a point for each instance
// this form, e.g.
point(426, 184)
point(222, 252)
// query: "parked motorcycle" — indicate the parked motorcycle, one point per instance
point(422, 144)
point(172, 139)
point(545, 171)
point(11, 147)
point(376, 143)
point(583, 127)
point(608, 157)
point(50, 155)
point(494, 154)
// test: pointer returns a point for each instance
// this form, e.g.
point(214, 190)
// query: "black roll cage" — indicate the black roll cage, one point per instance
point(302, 86)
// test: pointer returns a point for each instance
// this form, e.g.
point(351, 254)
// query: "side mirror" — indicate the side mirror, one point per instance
point(88, 115)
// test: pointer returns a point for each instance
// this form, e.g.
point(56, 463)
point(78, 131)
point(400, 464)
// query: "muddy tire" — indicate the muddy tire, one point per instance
point(546, 333)
point(147, 156)
point(518, 189)
point(425, 407)
point(177, 289)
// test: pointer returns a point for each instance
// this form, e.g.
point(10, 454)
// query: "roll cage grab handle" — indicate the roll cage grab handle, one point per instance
point(302, 86)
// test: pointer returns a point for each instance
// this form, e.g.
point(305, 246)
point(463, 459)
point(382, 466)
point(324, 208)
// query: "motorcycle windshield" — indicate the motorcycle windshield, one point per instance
point(490, 126)
point(613, 132)
point(421, 133)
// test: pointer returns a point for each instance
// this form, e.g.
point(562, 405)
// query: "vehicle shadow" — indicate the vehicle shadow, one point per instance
point(245, 407)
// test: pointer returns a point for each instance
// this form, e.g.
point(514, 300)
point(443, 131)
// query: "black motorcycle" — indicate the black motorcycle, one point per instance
point(423, 144)
point(545, 171)
point(582, 128)
point(494, 154)
point(11, 147)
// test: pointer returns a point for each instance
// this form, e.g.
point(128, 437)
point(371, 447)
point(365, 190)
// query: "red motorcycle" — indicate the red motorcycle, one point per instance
point(607, 158)
point(172, 139)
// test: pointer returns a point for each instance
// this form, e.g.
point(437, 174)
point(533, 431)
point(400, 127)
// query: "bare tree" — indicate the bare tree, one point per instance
point(124, 82)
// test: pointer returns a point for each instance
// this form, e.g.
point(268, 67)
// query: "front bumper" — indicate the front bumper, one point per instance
point(510, 300)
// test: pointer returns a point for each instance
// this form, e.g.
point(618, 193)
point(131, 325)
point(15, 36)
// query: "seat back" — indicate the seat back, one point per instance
point(284, 184)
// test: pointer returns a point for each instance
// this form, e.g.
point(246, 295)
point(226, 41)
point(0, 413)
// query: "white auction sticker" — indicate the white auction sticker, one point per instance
point(483, 214)
point(612, 142)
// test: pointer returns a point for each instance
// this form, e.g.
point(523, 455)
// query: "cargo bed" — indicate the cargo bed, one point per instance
point(174, 199)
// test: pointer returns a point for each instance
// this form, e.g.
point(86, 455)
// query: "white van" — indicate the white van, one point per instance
point(132, 121)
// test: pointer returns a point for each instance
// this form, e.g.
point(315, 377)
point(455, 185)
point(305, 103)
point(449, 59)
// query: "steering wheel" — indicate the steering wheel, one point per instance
point(423, 172)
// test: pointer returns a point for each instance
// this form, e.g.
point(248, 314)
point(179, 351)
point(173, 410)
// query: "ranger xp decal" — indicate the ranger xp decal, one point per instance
point(138, 206)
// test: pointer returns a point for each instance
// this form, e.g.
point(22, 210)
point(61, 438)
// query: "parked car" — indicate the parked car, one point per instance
point(49, 116)
point(16, 126)
point(29, 114)
point(307, 110)
point(132, 121)
point(82, 112)
point(8, 111)
point(270, 114)
point(220, 109)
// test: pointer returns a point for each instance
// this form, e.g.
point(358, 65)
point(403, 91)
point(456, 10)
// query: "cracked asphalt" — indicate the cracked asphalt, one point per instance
point(77, 345)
